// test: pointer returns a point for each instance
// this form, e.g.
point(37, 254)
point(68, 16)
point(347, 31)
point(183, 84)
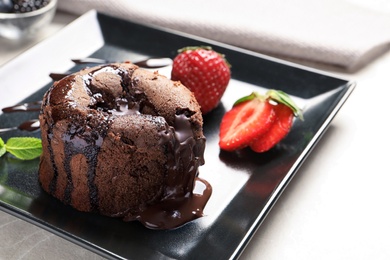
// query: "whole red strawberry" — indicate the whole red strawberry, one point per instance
point(258, 122)
point(205, 72)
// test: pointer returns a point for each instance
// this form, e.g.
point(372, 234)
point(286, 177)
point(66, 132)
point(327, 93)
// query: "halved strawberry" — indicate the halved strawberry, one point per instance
point(258, 121)
point(279, 129)
point(246, 121)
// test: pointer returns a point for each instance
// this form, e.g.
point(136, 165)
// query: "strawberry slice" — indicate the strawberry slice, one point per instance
point(279, 129)
point(249, 118)
point(257, 121)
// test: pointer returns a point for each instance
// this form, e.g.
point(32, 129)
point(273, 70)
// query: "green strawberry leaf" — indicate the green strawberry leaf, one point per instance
point(24, 148)
point(2, 147)
point(250, 97)
point(275, 95)
point(192, 48)
point(205, 47)
point(283, 98)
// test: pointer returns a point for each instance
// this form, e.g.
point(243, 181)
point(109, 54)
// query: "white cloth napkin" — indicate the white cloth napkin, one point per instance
point(342, 33)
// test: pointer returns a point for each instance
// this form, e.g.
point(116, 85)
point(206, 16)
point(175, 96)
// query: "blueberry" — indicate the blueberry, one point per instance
point(24, 6)
point(6, 6)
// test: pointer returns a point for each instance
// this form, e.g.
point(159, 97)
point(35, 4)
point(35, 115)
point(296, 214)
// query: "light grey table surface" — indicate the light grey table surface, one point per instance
point(335, 207)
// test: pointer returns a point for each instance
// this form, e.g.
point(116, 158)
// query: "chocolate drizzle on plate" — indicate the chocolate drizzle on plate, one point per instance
point(33, 106)
point(29, 125)
point(150, 63)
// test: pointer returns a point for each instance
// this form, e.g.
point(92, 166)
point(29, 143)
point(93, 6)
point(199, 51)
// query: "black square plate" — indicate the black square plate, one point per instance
point(245, 185)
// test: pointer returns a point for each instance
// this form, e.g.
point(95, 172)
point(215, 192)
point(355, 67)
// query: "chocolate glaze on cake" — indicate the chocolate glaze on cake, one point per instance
point(124, 142)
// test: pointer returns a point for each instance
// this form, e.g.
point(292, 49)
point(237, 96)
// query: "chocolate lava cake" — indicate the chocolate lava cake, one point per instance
point(123, 142)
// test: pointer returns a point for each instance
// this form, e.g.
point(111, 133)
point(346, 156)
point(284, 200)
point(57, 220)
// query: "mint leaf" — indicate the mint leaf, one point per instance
point(24, 148)
point(2, 147)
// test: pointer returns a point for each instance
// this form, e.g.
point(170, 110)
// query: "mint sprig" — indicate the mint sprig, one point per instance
point(23, 148)
point(2, 147)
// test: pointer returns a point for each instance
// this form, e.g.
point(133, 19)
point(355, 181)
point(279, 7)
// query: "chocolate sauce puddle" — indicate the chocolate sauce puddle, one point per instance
point(173, 213)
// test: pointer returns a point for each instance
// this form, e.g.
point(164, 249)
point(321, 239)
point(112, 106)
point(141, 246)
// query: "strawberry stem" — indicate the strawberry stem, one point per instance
point(275, 95)
point(250, 97)
point(193, 48)
point(283, 98)
point(204, 47)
